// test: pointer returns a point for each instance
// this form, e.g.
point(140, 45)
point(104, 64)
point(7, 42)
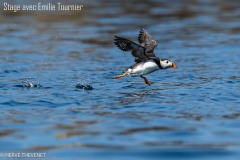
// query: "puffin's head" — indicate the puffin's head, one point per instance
point(166, 63)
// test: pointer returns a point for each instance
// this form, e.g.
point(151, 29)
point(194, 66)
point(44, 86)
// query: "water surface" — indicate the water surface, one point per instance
point(189, 113)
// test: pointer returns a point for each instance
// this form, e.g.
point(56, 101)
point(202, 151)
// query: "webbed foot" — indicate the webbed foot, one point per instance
point(146, 80)
point(121, 75)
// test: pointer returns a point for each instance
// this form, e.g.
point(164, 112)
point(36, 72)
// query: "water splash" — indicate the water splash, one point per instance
point(84, 87)
point(29, 83)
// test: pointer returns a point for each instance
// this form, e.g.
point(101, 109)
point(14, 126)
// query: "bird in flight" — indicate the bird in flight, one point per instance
point(146, 60)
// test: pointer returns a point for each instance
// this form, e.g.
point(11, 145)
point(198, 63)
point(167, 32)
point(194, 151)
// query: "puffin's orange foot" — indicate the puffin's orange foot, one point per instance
point(146, 80)
point(121, 75)
point(118, 76)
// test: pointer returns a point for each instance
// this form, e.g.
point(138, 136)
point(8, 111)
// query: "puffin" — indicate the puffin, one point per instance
point(146, 61)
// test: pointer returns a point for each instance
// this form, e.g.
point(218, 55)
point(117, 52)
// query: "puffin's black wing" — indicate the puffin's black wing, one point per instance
point(137, 51)
point(146, 41)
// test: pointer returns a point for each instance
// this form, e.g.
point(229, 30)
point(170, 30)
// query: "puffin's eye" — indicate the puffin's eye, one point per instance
point(167, 62)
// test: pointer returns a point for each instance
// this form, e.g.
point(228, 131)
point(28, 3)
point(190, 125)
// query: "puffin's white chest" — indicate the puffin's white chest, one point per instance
point(143, 69)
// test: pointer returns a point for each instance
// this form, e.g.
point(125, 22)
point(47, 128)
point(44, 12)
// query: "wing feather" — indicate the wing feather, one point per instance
point(126, 45)
point(146, 41)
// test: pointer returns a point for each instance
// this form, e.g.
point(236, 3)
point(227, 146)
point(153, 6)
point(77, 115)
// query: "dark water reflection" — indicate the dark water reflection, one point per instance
point(189, 113)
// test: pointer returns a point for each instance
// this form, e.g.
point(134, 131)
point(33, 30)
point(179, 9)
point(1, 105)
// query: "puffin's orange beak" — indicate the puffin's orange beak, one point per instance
point(174, 66)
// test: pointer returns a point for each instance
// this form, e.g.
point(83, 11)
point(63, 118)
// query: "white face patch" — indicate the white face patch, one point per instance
point(166, 63)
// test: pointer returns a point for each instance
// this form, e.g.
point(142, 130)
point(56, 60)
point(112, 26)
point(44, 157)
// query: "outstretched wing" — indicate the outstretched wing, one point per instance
point(146, 41)
point(137, 51)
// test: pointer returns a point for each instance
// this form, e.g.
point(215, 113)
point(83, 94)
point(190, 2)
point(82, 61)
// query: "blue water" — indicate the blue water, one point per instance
point(192, 112)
